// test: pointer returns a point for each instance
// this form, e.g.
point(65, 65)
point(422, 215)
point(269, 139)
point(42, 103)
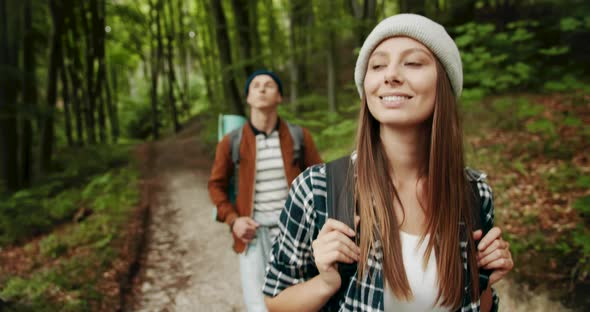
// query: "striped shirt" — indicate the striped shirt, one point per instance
point(271, 188)
point(304, 214)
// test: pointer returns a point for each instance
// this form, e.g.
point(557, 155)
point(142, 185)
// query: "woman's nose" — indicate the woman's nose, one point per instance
point(393, 75)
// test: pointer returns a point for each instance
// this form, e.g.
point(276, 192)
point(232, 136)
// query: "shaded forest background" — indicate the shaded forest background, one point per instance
point(82, 83)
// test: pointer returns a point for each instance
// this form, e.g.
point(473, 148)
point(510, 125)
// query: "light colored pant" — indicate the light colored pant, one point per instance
point(253, 262)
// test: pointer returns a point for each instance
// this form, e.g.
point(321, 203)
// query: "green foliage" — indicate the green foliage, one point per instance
point(58, 196)
point(544, 127)
point(510, 113)
point(560, 178)
point(63, 204)
point(139, 126)
point(333, 132)
point(84, 250)
point(520, 56)
point(52, 246)
point(571, 24)
point(581, 241)
point(39, 292)
point(583, 181)
point(566, 83)
point(582, 205)
point(514, 113)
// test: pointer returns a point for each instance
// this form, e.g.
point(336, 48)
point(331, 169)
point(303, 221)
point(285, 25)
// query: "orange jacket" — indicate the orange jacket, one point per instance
point(223, 168)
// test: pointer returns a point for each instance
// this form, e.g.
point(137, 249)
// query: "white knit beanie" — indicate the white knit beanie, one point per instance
point(422, 29)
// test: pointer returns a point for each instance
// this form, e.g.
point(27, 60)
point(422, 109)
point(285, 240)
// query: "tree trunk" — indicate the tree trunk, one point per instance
point(67, 110)
point(185, 94)
point(111, 106)
point(461, 12)
point(241, 14)
point(274, 38)
point(74, 67)
point(9, 50)
point(90, 52)
point(301, 20)
point(293, 74)
point(331, 61)
point(102, 124)
point(29, 96)
point(254, 33)
point(366, 16)
point(210, 61)
point(169, 23)
point(224, 47)
point(155, 66)
point(47, 127)
point(98, 35)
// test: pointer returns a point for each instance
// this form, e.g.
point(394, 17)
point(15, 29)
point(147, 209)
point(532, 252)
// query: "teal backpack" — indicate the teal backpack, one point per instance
point(232, 125)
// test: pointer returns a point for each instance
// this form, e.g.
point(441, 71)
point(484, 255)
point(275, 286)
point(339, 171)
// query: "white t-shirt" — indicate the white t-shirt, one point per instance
point(423, 283)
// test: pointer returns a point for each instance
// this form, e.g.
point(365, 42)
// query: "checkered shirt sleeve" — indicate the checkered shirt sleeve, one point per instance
point(291, 260)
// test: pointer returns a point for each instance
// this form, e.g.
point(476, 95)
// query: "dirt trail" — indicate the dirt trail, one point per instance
point(188, 263)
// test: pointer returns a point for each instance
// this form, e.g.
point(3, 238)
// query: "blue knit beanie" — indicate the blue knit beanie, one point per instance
point(263, 72)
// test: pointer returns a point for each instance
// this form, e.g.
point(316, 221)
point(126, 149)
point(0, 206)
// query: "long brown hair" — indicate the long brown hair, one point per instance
point(447, 199)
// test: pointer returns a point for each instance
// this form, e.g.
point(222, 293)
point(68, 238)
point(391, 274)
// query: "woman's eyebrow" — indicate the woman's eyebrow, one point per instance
point(379, 53)
point(416, 50)
point(404, 53)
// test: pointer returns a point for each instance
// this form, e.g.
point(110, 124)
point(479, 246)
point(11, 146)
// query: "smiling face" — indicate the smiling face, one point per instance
point(400, 82)
point(263, 93)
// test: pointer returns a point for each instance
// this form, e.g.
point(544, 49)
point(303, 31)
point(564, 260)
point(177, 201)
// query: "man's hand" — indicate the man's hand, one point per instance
point(494, 254)
point(245, 229)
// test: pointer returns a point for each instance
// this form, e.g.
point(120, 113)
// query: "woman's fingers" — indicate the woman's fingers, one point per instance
point(477, 235)
point(338, 256)
point(336, 241)
point(500, 264)
point(489, 238)
point(345, 246)
point(496, 245)
point(334, 244)
point(333, 224)
point(338, 236)
point(498, 254)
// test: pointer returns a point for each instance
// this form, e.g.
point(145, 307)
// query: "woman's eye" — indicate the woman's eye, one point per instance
point(413, 64)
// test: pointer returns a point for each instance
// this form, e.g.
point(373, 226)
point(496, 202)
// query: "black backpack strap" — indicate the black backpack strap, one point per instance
point(298, 146)
point(339, 182)
point(340, 203)
point(474, 177)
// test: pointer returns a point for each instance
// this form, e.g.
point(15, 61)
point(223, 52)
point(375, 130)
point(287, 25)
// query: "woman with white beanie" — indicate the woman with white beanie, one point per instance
point(412, 247)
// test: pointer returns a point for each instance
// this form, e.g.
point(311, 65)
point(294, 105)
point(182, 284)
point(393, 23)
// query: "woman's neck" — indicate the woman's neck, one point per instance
point(403, 149)
point(264, 120)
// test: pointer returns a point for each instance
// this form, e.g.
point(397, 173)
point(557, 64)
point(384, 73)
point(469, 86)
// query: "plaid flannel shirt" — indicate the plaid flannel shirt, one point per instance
point(304, 214)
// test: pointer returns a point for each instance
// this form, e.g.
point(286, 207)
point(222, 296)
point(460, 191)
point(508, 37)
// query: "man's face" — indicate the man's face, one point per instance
point(263, 93)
